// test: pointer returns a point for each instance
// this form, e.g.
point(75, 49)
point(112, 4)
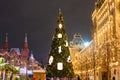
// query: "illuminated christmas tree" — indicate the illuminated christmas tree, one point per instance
point(59, 60)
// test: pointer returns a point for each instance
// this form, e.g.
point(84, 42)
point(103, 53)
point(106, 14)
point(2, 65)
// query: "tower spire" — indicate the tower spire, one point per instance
point(25, 50)
point(25, 42)
point(25, 37)
point(31, 56)
point(5, 46)
point(6, 40)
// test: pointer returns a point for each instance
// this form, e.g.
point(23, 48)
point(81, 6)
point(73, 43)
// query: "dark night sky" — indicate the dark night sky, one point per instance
point(38, 19)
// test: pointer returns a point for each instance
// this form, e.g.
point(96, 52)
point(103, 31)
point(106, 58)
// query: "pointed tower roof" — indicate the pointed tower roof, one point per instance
point(25, 46)
point(5, 45)
point(31, 56)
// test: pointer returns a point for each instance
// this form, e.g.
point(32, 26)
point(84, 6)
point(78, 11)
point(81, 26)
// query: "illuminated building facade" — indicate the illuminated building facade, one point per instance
point(101, 59)
point(106, 37)
point(75, 48)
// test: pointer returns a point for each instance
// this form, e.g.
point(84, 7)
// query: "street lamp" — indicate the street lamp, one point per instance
point(86, 44)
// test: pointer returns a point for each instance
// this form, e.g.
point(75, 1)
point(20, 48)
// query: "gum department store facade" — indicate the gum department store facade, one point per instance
point(100, 60)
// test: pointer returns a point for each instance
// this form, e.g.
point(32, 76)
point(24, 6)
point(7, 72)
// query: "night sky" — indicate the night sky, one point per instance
point(38, 18)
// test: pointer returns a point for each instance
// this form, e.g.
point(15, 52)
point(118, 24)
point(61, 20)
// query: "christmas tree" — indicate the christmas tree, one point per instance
point(59, 60)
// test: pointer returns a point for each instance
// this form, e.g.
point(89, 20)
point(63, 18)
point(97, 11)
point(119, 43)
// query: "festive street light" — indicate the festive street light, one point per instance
point(86, 44)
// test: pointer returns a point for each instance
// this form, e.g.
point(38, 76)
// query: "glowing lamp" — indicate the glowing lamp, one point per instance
point(86, 44)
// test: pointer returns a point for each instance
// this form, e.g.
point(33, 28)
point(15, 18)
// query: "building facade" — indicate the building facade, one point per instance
point(75, 48)
point(106, 39)
point(101, 59)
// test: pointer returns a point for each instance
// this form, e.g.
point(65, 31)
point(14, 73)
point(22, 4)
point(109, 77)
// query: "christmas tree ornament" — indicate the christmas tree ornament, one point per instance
point(51, 60)
point(60, 66)
point(60, 25)
point(68, 59)
point(59, 49)
point(66, 43)
point(59, 35)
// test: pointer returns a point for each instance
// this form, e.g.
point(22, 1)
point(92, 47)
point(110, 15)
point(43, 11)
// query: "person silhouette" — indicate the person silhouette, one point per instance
point(113, 78)
point(78, 78)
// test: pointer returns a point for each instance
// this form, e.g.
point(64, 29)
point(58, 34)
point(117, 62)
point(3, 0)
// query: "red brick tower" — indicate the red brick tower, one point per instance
point(25, 50)
point(5, 45)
